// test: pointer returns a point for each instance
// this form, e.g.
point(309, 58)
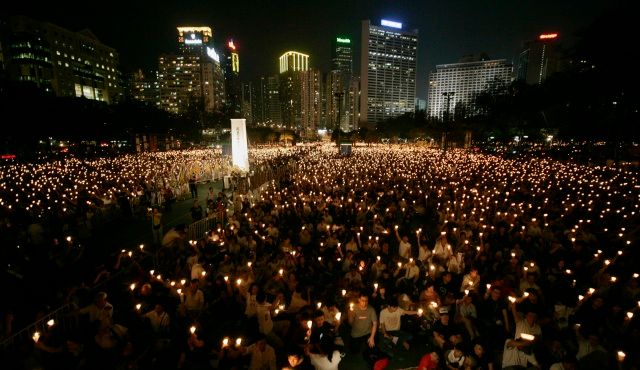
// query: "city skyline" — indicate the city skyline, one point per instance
point(262, 33)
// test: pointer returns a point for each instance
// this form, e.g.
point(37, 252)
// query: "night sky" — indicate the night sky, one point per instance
point(449, 29)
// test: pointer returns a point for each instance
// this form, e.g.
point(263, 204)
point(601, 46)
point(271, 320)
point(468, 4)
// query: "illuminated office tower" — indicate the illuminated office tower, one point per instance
point(293, 61)
point(460, 83)
point(62, 62)
point(388, 70)
point(292, 66)
point(232, 79)
point(538, 60)
point(342, 59)
point(192, 80)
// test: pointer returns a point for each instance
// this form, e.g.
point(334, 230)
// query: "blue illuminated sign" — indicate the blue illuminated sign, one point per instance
point(391, 24)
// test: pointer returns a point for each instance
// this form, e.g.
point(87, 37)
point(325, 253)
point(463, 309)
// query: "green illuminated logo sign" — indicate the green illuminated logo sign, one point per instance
point(343, 41)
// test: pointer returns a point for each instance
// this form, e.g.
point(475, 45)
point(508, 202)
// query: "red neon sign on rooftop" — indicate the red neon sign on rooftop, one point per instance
point(548, 36)
point(231, 45)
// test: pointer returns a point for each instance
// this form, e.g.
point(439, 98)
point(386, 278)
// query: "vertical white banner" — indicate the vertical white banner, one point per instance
point(239, 149)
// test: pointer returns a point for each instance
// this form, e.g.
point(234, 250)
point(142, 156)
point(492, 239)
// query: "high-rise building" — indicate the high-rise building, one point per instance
point(144, 87)
point(454, 87)
point(232, 80)
point(338, 84)
point(292, 66)
point(311, 99)
point(293, 61)
point(352, 106)
point(388, 70)
point(342, 59)
point(60, 61)
point(538, 59)
point(333, 98)
point(272, 100)
point(192, 80)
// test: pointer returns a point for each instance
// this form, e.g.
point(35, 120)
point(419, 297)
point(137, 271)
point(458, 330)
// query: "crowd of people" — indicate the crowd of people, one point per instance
point(471, 260)
point(50, 209)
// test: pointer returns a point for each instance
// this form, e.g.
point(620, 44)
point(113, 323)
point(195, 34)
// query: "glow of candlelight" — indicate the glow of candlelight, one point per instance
point(528, 337)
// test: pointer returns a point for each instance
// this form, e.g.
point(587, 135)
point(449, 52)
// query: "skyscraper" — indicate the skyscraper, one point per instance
point(292, 66)
point(338, 84)
point(293, 61)
point(462, 82)
point(192, 80)
point(232, 79)
point(537, 60)
point(388, 70)
point(342, 59)
point(311, 99)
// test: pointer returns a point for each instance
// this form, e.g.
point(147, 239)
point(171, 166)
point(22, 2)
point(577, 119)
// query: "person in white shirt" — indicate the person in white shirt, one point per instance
point(158, 319)
point(324, 355)
point(517, 352)
point(390, 323)
point(273, 331)
point(193, 298)
point(404, 247)
point(442, 249)
point(100, 310)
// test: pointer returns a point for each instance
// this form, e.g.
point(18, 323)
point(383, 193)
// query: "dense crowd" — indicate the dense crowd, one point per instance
point(473, 260)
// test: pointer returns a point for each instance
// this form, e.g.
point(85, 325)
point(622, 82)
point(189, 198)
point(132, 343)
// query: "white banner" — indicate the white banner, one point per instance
point(239, 150)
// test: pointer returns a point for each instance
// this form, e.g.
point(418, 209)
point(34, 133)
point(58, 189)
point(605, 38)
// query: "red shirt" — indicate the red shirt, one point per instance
point(427, 363)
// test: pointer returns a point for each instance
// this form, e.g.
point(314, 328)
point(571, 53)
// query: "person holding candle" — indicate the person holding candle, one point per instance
point(404, 247)
point(517, 352)
point(273, 331)
point(364, 323)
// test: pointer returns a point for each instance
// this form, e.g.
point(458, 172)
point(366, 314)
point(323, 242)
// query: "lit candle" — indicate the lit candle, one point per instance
point(528, 337)
point(225, 342)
